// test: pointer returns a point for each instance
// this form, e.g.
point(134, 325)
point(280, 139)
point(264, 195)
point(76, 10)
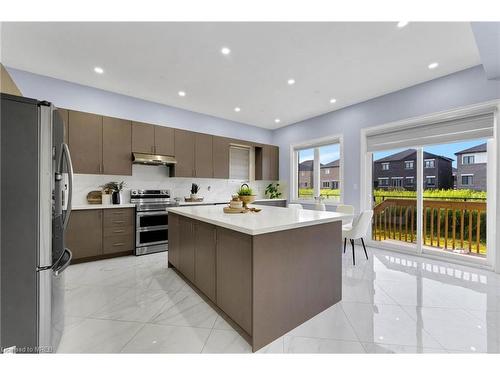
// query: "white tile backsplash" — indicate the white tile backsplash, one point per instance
point(156, 177)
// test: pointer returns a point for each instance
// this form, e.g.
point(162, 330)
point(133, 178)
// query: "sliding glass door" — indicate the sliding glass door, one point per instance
point(428, 186)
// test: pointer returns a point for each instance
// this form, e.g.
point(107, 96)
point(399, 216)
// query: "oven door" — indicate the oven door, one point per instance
point(152, 228)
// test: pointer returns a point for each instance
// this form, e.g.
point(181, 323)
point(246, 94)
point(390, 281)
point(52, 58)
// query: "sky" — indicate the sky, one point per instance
point(326, 154)
point(447, 150)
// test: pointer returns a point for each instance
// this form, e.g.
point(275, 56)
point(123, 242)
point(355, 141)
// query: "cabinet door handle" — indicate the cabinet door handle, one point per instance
point(119, 231)
point(119, 244)
point(118, 221)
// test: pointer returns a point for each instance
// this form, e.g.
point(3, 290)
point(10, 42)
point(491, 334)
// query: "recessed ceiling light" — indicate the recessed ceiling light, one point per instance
point(182, 93)
point(237, 109)
point(291, 81)
point(333, 100)
point(433, 65)
point(98, 70)
point(402, 24)
point(225, 51)
point(277, 120)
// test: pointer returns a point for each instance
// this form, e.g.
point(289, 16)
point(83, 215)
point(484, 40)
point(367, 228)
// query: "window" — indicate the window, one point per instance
point(239, 163)
point(430, 180)
point(397, 182)
point(383, 181)
point(385, 166)
point(468, 159)
point(410, 181)
point(409, 164)
point(318, 169)
point(467, 179)
point(429, 163)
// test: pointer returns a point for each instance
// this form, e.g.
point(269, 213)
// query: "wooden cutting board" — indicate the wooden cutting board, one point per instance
point(229, 210)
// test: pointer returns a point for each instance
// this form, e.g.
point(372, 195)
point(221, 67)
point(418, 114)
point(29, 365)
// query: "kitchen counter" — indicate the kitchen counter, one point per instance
point(225, 201)
point(101, 206)
point(268, 272)
point(270, 219)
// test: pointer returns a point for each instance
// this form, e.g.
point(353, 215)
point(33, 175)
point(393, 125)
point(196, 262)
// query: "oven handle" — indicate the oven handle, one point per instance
point(152, 228)
point(152, 213)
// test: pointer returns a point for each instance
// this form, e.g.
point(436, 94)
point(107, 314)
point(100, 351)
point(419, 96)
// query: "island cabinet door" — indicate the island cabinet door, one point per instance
point(173, 240)
point(186, 248)
point(234, 276)
point(204, 258)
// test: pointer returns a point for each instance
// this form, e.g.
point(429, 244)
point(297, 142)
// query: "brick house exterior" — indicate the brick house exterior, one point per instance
point(399, 171)
point(329, 175)
point(306, 174)
point(471, 168)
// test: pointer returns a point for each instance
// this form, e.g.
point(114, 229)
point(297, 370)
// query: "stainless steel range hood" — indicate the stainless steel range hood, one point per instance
point(150, 159)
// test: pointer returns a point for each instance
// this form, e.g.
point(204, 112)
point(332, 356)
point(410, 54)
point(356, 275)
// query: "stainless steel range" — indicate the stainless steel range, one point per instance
point(151, 220)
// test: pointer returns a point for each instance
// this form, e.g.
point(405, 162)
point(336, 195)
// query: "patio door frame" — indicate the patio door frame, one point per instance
point(492, 260)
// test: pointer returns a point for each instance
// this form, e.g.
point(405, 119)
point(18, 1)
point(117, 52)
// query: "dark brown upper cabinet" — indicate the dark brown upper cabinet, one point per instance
point(85, 142)
point(117, 146)
point(220, 156)
point(266, 162)
point(164, 141)
point(152, 139)
point(143, 138)
point(184, 153)
point(203, 156)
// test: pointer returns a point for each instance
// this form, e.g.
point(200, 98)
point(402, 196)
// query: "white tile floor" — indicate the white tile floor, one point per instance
point(392, 303)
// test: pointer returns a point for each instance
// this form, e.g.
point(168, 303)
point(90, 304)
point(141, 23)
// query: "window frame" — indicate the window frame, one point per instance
point(316, 144)
point(471, 175)
point(468, 157)
point(384, 164)
point(412, 164)
point(429, 160)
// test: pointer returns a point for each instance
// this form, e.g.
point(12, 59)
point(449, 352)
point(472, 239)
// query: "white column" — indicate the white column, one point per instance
point(420, 192)
point(316, 173)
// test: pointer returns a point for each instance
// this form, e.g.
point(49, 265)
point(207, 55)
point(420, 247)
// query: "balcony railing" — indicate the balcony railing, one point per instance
point(447, 224)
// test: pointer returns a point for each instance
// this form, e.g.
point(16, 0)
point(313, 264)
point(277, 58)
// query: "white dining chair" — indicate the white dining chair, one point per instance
point(345, 209)
point(358, 229)
point(296, 206)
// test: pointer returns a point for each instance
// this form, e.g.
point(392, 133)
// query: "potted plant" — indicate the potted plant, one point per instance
point(195, 188)
point(273, 191)
point(115, 188)
point(245, 193)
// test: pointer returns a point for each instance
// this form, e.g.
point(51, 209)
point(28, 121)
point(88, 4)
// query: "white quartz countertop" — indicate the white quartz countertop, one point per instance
point(224, 201)
point(270, 219)
point(101, 206)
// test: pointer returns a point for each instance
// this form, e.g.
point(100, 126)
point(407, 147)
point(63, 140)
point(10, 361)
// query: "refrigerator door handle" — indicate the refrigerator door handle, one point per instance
point(63, 262)
point(66, 154)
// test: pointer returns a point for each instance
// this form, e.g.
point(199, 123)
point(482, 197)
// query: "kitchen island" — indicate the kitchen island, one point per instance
point(268, 271)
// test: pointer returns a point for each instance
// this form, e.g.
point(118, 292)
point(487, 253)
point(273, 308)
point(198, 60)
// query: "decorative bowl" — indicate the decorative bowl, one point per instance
point(246, 199)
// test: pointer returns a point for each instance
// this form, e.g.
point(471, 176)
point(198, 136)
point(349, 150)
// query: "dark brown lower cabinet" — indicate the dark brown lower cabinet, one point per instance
point(204, 258)
point(94, 234)
point(186, 246)
point(84, 234)
point(173, 240)
point(234, 276)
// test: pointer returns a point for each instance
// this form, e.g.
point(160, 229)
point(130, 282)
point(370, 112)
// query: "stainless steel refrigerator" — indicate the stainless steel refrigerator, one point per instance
point(36, 187)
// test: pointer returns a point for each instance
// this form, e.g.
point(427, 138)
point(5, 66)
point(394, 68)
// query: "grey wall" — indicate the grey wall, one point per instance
point(463, 88)
point(88, 99)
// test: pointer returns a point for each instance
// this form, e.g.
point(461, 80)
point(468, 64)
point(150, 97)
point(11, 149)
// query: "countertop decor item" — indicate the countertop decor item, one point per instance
point(191, 199)
point(115, 188)
point(246, 195)
point(94, 197)
point(236, 203)
point(272, 191)
point(195, 188)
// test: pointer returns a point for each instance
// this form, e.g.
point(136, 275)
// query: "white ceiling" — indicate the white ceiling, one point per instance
point(351, 62)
